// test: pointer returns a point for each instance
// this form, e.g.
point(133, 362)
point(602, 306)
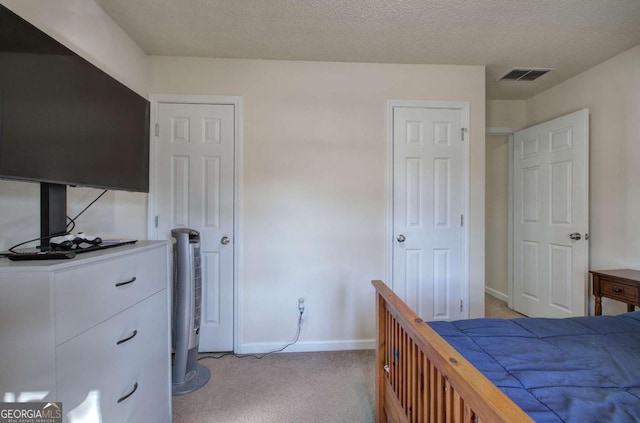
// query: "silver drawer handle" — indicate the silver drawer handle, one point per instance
point(122, 341)
point(135, 388)
point(132, 280)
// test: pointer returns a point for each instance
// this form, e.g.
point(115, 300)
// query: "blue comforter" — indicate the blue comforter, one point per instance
point(584, 369)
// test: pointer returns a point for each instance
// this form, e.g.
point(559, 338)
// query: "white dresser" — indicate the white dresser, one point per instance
point(92, 332)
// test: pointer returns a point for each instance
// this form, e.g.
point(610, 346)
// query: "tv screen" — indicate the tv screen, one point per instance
point(63, 120)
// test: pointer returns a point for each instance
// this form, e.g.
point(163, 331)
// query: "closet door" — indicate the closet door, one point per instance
point(195, 189)
point(428, 211)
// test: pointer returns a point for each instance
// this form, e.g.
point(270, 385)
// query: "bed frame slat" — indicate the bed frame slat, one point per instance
point(420, 378)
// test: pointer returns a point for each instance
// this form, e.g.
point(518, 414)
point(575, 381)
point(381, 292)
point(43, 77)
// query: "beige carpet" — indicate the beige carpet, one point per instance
point(324, 387)
point(496, 308)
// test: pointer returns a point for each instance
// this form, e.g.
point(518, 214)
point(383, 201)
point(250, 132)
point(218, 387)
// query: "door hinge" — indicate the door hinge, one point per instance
point(157, 129)
point(462, 220)
point(156, 221)
point(461, 306)
point(462, 131)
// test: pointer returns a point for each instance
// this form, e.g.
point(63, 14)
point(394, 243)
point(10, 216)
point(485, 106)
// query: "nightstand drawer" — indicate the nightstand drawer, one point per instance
point(620, 291)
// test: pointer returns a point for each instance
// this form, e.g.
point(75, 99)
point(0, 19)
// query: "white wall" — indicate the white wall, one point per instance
point(506, 114)
point(314, 185)
point(85, 28)
point(611, 92)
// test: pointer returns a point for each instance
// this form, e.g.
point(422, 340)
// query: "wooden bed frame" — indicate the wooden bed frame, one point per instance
point(421, 378)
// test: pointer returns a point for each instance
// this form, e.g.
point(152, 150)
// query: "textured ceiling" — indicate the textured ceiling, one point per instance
point(568, 35)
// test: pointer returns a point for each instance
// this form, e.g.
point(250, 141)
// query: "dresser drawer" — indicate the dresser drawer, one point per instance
point(89, 294)
point(619, 291)
point(107, 373)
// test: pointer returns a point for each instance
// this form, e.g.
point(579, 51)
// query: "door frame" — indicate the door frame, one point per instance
point(509, 132)
point(463, 106)
point(236, 102)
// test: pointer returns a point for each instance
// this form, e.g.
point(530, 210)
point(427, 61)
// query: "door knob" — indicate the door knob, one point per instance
point(225, 240)
point(401, 238)
point(575, 236)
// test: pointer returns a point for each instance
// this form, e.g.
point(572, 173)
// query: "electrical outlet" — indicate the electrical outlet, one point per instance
point(301, 305)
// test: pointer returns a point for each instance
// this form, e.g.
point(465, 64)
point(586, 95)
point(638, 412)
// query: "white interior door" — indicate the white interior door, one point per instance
point(551, 217)
point(195, 189)
point(428, 211)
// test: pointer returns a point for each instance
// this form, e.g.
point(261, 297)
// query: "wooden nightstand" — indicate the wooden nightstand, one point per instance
point(619, 284)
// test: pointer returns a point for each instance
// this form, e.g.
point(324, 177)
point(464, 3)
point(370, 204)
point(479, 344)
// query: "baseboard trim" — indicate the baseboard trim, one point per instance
point(497, 294)
point(308, 346)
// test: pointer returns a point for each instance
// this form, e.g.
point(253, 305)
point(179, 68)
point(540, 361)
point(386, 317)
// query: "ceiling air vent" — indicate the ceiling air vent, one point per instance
point(520, 74)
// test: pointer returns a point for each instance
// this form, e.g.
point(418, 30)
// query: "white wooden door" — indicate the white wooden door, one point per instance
point(195, 190)
point(551, 206)
point(428, 211)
